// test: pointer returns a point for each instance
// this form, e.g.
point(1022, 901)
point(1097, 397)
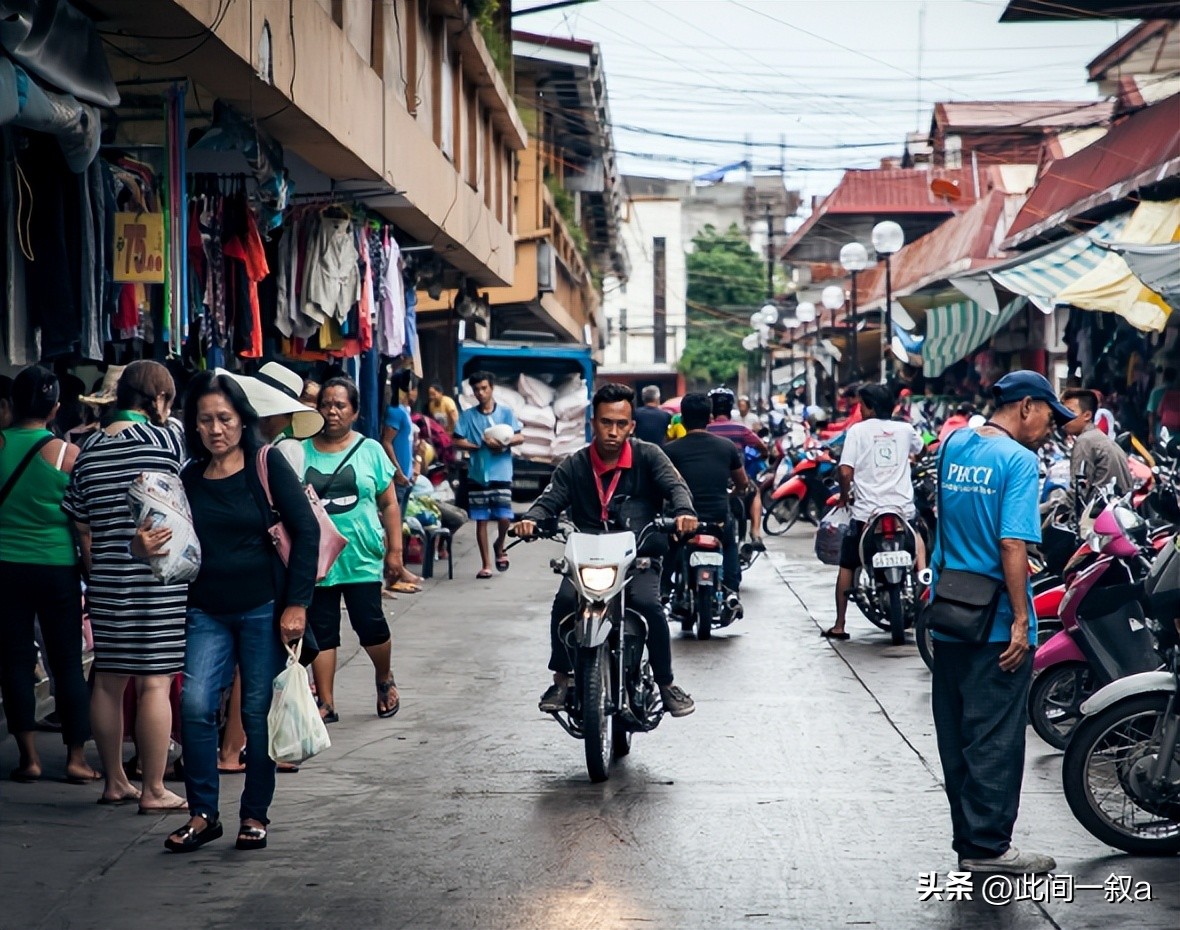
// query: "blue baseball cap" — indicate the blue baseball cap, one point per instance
point(1018, 385)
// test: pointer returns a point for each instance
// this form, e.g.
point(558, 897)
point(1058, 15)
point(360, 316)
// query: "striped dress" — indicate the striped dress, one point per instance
point(138, 623)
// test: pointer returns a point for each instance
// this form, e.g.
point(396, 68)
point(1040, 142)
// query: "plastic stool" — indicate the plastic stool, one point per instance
point(434, 535)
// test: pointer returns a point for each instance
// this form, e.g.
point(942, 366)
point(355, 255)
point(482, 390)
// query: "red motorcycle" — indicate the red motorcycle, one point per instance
point(804, 493)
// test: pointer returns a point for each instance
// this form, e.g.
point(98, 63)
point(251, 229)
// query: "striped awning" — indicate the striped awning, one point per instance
point(1042, 277)
point(956, 330)
point(1041, 274)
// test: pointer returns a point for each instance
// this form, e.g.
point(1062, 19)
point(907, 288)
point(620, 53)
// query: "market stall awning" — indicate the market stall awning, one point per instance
point(956, 330)
point(1040, 275)
point(1157, 266)
point(1112, 287)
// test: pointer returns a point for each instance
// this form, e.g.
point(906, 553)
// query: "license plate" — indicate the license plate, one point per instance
point(892, 560)
point(705, 558)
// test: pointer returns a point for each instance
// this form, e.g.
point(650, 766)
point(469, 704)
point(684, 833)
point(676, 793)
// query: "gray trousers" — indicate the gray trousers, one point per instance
point(980, 714)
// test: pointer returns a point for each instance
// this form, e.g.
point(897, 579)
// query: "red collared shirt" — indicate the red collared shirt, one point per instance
point(602, 469)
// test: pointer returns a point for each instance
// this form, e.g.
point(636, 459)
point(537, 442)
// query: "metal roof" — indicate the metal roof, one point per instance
point(1139, 151)
point(1022, 114)
point(1028, 11)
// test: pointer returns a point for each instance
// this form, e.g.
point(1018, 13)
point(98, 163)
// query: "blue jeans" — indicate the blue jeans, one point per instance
point(215, 644)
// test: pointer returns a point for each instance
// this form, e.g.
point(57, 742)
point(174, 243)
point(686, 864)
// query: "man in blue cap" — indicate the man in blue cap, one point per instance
point(987, 517)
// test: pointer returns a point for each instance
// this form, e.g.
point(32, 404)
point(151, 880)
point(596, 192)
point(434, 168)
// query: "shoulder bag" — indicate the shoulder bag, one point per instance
point(964, 603)
point(23, 464)
point(332, 542)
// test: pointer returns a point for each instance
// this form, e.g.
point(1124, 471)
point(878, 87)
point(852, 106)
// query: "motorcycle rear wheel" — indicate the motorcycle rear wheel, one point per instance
point(896, 617)
point(705, 604)
point(1055, 700)
point(594, 672)
point(782, 516)
point(1101, 758)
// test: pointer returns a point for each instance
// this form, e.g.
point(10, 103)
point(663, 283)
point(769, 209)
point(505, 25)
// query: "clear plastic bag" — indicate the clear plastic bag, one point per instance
point(295, 728)
point(160, 497)
point(829, 538)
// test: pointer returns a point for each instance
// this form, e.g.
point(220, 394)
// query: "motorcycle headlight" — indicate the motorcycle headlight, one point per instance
point(598, 578)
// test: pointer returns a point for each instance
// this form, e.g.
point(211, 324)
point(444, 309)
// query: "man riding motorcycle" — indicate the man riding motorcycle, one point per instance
point(743, 437)
point(640, 476)
point(708, 464)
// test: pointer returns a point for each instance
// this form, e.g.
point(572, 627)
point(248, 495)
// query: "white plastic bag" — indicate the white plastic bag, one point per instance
point(161, 498)
point(297, 731)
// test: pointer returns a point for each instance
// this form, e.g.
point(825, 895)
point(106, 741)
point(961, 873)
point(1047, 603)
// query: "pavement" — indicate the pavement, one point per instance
point(804, 792)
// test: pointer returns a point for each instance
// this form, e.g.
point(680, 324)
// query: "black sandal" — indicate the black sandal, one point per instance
point(186, 839)
point(833, 634)
point(383, 689)
point(251, 838)
point(330, 716)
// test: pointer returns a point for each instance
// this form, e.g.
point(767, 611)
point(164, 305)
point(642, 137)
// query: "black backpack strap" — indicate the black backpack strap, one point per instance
point(344, 461)
point(20, 468)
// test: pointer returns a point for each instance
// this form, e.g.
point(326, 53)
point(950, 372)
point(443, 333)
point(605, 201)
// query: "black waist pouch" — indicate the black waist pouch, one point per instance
point(964, 605)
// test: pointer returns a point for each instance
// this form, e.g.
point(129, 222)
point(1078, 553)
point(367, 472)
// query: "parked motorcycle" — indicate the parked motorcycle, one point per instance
point(1121, 771)
point(614, 693)
point(698, 598)
point(803, 494)
point(1104, 633)
point(885, 588)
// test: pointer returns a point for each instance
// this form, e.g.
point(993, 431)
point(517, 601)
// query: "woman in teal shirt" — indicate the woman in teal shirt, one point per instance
point(354, 478)
point(40, 577)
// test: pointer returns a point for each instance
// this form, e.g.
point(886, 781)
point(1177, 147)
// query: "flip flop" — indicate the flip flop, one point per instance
point(502, 563)
point(286, 768)
point(832, 634)
point(22, 777)
point(180, 807)
point(82, 779)
point(117, 802)
point(405, 587)
point(483, 574)
point(225, 770)
point(383, 689)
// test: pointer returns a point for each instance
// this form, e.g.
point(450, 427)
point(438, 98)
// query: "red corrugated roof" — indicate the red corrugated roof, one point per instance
point(884, 192)
point(961, 243)
point(1021, 114)
point(1142, 149)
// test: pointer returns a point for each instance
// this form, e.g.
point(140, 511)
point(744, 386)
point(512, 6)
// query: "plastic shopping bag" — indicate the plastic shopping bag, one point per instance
point(160, 497)
point(829, 538)
point(297, 731)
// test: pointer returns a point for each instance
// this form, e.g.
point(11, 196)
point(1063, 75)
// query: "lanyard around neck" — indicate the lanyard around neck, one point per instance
point(604, 496)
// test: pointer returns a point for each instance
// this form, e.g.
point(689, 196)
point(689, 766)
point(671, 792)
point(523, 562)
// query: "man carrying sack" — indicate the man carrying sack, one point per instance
point(981, 617)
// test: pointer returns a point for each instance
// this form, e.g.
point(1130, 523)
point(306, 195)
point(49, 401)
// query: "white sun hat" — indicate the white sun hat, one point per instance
point(274, 391)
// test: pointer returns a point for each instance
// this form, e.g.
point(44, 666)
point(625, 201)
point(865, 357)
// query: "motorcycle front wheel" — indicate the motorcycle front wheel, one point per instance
point(781, 516)
point(594, 672)
point(896, 616)
point(924, 639)
point(1055, 701)
point(1104, 775)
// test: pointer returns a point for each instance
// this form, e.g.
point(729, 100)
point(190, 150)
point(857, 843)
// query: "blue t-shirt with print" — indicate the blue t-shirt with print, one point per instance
point(990, 491)
point(487, 466)
point(397, 418)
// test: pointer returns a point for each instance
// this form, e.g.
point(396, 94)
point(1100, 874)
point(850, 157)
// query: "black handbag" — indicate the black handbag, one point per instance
point(965, 603)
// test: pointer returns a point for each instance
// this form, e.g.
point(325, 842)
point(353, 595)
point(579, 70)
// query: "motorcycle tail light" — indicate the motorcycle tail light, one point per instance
point(889, 526)
point(706, 542)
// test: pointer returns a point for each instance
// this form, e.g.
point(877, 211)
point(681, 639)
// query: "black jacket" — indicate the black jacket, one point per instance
point(644, 489)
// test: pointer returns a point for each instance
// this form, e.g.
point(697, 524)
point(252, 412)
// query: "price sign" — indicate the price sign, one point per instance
point(139, 247)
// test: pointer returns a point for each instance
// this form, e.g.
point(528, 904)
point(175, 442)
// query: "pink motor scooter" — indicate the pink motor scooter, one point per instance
point(1105, 632)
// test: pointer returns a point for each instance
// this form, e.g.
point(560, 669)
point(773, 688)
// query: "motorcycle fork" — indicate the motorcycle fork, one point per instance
point(1168, 739)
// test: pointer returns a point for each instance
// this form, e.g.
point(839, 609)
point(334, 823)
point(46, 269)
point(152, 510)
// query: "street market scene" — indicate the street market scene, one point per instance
point(577, 464)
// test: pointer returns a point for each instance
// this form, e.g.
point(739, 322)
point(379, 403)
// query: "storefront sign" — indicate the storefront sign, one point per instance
point(139, 247)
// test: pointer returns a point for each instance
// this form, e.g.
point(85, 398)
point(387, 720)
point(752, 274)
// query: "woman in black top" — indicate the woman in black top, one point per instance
point(234, 602)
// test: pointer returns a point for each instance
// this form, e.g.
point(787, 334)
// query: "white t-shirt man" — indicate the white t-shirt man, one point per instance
point(878, 452)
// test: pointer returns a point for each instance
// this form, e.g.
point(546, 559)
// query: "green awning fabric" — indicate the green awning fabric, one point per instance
point(956, 330)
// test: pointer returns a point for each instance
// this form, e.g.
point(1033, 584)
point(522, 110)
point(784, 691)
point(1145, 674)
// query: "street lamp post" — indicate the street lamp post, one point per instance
point(855, 258)
point(888, 238)
point(762, 322)
point(805, 313)
point(833, 299)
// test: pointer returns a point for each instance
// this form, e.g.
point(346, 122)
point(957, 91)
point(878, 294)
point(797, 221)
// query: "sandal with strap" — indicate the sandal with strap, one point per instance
point(383, 689)
point(250, 837)
point(187, 839)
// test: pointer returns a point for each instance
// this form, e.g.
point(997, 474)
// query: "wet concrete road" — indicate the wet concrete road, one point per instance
point(804, 792)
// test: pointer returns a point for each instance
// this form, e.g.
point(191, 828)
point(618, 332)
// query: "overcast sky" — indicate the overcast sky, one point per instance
point(838, 80)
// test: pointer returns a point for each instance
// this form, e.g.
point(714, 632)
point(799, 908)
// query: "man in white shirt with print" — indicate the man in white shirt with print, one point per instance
point(874, 475)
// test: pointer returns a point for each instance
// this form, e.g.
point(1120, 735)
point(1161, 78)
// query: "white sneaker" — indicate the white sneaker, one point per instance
point(1013, 862)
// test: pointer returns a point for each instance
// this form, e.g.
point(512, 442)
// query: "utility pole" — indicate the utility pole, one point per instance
point(769, 255)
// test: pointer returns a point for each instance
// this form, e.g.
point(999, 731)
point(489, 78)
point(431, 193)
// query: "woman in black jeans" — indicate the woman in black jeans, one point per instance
point(235, 601)
point(39, 577)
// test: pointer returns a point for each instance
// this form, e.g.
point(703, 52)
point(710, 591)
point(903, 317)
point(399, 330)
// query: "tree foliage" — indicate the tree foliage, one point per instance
point(723, 271)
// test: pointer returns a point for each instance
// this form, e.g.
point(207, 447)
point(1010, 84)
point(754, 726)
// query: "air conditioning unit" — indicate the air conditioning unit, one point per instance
point(546, 267)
